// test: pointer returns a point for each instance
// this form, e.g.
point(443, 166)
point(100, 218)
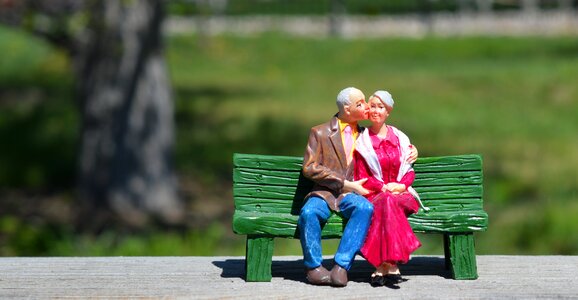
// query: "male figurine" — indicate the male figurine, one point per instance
point(327, 163)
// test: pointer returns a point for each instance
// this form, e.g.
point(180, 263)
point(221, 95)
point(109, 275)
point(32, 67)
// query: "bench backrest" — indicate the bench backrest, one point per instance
point(449, 184)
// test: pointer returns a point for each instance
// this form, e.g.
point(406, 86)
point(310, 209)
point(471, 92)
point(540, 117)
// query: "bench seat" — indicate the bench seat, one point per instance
point(285, 225)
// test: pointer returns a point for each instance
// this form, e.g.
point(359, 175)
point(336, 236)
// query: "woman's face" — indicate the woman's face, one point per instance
point(378, 112)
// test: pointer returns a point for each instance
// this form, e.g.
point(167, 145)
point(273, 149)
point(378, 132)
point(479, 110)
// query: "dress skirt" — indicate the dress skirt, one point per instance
point(390, 237)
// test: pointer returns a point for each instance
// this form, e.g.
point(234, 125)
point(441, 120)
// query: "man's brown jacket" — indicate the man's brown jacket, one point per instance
point(325, 163)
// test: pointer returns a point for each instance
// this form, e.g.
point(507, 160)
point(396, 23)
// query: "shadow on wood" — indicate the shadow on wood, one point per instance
point(360, 271)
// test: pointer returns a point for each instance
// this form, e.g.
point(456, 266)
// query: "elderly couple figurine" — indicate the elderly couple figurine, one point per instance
point(365, 175)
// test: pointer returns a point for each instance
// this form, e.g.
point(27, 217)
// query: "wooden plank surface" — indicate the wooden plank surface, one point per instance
point(500, 277)
point(294, 192)
point(464, 162)
point(271, 162)
point(265, 170)
point(291, 178)
point(279, 206)
point(285, 225)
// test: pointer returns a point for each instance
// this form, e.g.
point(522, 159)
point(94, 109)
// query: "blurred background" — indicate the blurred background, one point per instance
point(118, 119)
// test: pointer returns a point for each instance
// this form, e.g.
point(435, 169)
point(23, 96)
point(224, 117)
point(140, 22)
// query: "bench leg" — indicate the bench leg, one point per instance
point(461, 255)
point(259, 258)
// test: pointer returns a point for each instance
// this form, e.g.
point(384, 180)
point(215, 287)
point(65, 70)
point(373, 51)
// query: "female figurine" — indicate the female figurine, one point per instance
point(381, 154)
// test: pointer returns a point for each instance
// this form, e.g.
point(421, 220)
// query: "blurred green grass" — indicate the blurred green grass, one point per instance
point(514, 100)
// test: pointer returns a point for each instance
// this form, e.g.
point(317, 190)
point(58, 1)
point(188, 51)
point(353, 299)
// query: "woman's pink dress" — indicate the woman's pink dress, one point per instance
point(390, 237)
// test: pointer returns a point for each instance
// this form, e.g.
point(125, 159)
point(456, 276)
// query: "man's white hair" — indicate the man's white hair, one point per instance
point(344, 97)
point(385, 97)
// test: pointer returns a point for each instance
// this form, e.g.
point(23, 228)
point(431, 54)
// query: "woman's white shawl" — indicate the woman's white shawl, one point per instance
point(365, 148)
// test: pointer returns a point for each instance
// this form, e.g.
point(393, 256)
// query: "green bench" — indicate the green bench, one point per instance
point(269, 192)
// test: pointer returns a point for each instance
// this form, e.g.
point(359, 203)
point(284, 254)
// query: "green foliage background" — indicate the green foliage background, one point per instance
point(513, 100)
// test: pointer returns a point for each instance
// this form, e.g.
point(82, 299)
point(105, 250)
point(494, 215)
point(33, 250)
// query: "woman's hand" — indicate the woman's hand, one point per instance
point(413, 155)
point(394, 188)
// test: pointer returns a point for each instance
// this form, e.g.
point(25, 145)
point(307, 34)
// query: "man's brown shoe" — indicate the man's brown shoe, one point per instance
point(338, 276)
point(319, 276)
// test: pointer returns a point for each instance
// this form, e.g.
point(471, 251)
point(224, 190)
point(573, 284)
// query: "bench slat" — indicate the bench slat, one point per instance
point(467, 162)
point(285, 225)
point(265, 205)
point(269, 162)
point(292, 178)
point(462, 221)
point(448, 178)
point(428, 193)
point(264, 176)
point(294, 193)
point(279, 225)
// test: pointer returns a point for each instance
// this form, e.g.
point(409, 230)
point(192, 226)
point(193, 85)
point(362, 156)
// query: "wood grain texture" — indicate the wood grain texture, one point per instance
point(280, 225)
point(268, 162)
point(223, 277)
point(285, 225)
point(298, 192)
point(278, 206)
point(292, 177)
point(423, 164)
point(259, 258)
point(269, 192)
point(462, 256)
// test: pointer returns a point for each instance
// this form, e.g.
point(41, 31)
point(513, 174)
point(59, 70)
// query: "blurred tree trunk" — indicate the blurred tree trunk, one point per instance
point(425, 13)
point(485, 6)
point(566, 5)
point(464, 7)
point(124, 96)
point(127, 115)
point(203, 19)
point(337, 12)
point(530, 6)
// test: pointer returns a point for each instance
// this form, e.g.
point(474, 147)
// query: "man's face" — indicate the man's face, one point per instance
point(358, 109)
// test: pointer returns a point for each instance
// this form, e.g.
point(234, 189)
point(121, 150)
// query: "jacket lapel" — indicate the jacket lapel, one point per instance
point(335, 138)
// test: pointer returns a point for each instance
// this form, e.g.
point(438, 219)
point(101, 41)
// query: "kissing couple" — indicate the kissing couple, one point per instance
point(365, 175)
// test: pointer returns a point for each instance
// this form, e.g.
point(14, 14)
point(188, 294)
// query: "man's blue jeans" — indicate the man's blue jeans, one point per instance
point(316, 211)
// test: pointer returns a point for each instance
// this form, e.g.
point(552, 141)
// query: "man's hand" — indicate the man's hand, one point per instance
point(355, 186)
point(394, 187)
point(413, 155)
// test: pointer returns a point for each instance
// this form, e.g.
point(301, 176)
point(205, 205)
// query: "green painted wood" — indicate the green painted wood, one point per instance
point(285, 225)
point(259, 258)
point(467, 162)
point(281, 225)
point(452, 205)
point(299, 192)
point(458, 221)
point(448, 178)
point(423, 164)
point(292, 177)
point(450, 192)
point(449, 207)
point(266, 205)
point(268, 177)
point(269, 190)
point(276, 162)
point(461, 249)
